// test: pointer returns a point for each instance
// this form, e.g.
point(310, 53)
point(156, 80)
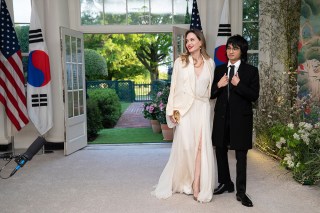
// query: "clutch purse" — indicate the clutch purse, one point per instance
point(176, 115)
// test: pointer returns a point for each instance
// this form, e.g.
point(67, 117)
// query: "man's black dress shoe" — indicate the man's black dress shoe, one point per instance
point(243, 198)
point(224, 187)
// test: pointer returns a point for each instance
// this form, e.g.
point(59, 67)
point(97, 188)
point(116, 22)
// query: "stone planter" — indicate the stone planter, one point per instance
point(156, 128)
point(167, 132)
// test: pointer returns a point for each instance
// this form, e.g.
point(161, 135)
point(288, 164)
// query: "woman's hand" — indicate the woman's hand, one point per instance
point(172, 119)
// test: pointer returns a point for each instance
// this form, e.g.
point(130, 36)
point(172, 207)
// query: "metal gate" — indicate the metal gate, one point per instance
point(142, 91)
point(130, 91)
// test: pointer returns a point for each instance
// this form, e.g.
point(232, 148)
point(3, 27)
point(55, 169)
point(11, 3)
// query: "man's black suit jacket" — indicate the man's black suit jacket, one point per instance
point(240, 106)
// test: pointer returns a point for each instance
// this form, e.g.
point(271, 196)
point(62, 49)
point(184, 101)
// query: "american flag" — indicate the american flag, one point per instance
point(12, 90)
point(195, 17)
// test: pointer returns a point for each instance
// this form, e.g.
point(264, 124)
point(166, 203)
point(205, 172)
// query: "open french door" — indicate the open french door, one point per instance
point(178, 41)
point(74, 90)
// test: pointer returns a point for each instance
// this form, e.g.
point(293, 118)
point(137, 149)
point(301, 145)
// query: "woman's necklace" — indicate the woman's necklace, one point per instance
point(196, 62)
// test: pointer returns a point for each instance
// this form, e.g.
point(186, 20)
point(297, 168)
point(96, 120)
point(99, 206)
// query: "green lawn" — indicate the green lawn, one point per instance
point(127, 135)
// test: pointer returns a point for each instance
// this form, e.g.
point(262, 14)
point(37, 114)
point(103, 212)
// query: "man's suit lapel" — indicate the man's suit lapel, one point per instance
point(241, 70)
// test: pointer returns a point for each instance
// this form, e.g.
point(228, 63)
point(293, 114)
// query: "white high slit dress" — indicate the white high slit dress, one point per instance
point(178, 174)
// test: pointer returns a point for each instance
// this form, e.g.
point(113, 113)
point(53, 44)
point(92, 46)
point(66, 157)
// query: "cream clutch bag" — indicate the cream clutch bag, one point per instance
point(176, 115)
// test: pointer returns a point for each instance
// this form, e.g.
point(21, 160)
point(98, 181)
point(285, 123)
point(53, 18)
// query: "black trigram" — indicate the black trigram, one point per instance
point(35, 36)
point(39, 100)
point(224, 30)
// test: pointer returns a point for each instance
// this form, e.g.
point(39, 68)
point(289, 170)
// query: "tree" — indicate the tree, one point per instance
point(95, 65)
point(130, 55)
point(154, 49)
point(119, 53)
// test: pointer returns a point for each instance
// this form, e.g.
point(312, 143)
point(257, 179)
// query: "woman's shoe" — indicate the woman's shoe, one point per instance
point(195, 198)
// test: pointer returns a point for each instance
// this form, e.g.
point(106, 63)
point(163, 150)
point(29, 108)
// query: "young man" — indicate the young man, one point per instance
point(236, 86)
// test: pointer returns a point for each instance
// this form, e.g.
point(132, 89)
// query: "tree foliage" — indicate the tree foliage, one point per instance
point(130, 55)
point(154, 49)
point(95, 65)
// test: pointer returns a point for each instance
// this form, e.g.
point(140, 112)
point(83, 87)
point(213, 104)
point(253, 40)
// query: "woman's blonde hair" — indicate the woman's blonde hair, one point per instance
point(203, 49)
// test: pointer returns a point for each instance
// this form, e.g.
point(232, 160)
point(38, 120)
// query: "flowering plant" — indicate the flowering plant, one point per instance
point(299, 149)
point(161, 100)
point(150, 110)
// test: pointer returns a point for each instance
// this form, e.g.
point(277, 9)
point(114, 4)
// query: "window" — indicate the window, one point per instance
point(22, 14)
point(250, 29)
point(135, 12)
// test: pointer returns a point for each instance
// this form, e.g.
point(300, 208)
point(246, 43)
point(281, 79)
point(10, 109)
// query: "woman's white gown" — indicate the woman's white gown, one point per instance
point(178, 174)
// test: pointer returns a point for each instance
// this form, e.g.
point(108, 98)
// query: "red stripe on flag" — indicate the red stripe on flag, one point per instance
point(11, 116)
point(16, 66)
point(13, 82)
point(14, 102)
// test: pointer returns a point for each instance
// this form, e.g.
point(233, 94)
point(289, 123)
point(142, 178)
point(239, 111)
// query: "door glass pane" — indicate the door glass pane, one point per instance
point(138, 12)
point(182, 13)
point(250, 10)
point(22, 31)
point(79, 50)
point(76, 103)
point(253, 59)
point(80, 79)
point(91, 12)
point(161, 12)
point(68, 48)
point(69, 76)
point(70, 104)
point(75, 76)
point(22, 11)
point(74, 49)
point(115, 12)
point(81, 102)
point(251, 34)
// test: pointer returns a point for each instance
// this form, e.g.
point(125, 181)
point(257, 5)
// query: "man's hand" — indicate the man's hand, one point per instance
point(235, 79)
point(223, 81)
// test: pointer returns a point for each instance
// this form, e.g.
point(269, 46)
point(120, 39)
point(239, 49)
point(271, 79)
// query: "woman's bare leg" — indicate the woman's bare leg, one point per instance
point(196, 181)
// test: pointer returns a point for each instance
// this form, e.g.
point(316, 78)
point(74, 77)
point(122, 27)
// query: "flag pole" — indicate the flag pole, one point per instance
point(12, 140)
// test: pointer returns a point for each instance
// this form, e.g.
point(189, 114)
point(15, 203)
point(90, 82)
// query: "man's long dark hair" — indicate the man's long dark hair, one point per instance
point(239, 41)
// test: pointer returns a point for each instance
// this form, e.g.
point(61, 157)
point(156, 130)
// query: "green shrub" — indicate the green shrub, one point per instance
point(94, 119)
point(95, 65)
point(109, 104)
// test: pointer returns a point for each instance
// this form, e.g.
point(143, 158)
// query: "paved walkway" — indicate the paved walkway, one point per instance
point(133, 117)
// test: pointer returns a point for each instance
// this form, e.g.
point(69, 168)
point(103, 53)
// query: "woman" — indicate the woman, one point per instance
point(191, 165)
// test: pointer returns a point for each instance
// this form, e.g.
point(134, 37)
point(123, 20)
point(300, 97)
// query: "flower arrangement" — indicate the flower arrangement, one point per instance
point(299, 149)
point(150, 110)
point(161, 100)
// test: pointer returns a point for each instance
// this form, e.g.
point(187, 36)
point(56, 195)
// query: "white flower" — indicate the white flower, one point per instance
point(290, 125)
point(298, 164)
point(296, 136)
point(278, 144)
point(305, 138)
point(301, 124)
point(308, 126)
point(289, 160)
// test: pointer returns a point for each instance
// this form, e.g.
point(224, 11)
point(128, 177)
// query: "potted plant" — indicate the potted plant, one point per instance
point(150, 111)
point(161, 101)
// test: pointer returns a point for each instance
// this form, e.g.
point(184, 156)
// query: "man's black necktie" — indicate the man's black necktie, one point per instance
point(231, 73)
